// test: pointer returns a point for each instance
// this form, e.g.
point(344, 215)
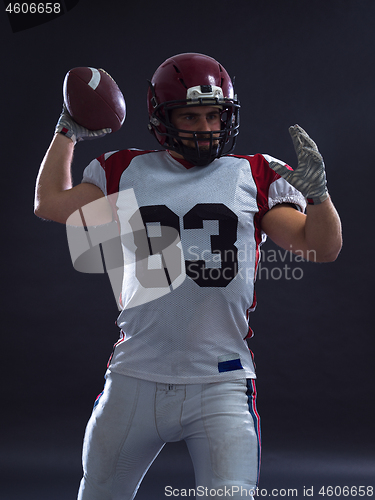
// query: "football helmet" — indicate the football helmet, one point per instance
point(192, 79)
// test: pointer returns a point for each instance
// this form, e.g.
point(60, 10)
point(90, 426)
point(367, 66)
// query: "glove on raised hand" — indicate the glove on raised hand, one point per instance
point(309, 177)
point(67, 126)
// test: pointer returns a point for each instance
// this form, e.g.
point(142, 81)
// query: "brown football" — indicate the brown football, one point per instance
point(93, 99)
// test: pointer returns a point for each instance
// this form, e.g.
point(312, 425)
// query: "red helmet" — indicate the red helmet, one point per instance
point(193, 80)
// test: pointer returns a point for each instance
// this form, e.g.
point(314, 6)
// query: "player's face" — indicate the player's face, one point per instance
point(197, 119)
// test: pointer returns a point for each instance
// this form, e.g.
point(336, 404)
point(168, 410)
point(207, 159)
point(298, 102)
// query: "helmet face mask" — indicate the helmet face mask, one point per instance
point(192, 80)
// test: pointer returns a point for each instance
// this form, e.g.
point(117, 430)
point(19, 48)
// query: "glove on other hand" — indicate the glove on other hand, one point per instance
point(309, 177)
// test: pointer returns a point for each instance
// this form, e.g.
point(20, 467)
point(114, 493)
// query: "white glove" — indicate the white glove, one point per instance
point(309, 177)
point(68, 127)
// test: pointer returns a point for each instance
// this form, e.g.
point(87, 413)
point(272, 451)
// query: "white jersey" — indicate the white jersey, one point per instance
point(196, 331)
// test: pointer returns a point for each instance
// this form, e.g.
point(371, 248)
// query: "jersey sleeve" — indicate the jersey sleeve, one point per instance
point(280, 191)
point(106, 170)
point(95, 172)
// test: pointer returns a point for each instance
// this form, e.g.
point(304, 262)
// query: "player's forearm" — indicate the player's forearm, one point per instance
point(323, 235)
point(54, 176)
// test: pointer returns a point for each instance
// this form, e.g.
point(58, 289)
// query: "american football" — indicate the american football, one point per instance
point(93, 99)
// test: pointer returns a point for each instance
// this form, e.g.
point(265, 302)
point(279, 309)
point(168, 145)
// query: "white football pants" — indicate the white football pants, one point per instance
point(133, 419)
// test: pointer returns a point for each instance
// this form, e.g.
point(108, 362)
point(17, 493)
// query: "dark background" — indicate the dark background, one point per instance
point(306, 62)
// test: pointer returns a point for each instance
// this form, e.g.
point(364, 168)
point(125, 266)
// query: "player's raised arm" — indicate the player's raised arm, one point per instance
point(92, 99)
point(55, 197)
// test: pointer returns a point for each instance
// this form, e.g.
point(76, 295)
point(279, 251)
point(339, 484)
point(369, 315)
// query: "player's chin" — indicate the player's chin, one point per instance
point(204, 145)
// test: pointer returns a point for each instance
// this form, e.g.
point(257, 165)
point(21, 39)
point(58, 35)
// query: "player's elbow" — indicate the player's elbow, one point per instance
point(45, 211)
point(326, 258)
point(330, 254)
point(42, 215)
point(39, 213)
point(39, 208)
